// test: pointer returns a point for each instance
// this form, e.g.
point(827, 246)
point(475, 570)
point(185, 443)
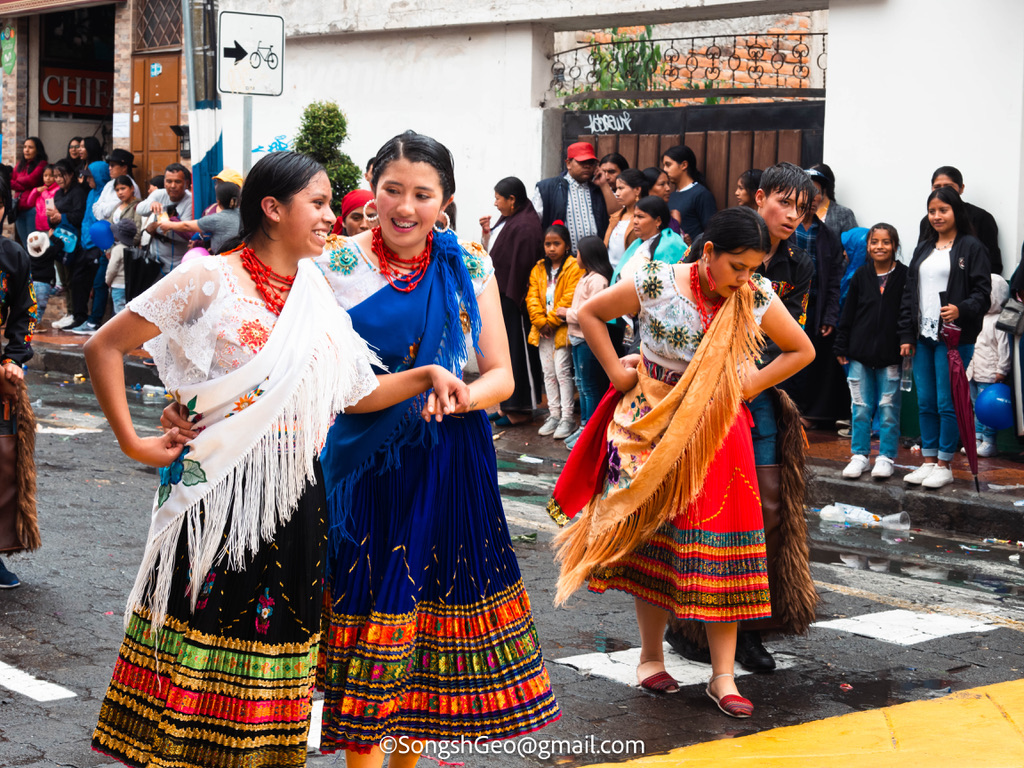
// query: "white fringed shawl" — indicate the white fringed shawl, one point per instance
point(262, 424)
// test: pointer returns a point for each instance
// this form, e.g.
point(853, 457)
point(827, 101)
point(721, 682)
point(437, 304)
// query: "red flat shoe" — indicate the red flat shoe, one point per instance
point(731, 704)
point(660, 682)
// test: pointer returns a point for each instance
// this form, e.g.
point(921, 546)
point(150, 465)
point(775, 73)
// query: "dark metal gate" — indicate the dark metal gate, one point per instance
point(727, 139)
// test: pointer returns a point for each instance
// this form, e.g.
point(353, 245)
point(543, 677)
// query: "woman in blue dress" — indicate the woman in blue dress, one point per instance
point(429, 633)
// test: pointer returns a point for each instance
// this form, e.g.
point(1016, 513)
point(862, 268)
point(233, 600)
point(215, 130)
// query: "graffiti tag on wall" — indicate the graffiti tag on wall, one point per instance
point(609, 123)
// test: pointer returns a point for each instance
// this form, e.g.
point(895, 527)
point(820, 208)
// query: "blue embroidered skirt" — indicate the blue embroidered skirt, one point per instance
point(428, 631)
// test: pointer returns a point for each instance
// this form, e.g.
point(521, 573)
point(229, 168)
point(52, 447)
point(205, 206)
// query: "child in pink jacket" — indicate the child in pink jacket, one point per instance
point(37, 197)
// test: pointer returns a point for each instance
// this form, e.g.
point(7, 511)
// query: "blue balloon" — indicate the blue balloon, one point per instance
point(994, 407)
point(102, 235)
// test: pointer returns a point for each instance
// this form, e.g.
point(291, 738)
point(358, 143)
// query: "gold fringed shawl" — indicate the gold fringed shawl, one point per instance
point(687, 424)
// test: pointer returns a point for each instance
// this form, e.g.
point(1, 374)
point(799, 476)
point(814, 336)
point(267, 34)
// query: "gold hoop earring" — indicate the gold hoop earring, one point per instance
point(447, 224)
point(371, 219)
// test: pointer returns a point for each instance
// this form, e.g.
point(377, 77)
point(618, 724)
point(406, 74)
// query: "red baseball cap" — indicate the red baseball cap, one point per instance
point(581, 152)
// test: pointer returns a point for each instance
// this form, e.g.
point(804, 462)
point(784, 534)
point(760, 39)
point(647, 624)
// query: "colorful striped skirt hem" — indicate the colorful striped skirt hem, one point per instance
point(707, 563)
point(443, 672)
point(203, 700)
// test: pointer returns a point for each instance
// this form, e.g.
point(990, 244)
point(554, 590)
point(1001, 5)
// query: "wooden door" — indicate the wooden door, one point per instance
point(726, 139)
point(156, 100)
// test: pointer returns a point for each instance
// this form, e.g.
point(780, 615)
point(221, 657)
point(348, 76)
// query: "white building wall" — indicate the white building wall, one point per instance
point(477, 90)
point(316, 17)
point(473, 76)
point(909, 91)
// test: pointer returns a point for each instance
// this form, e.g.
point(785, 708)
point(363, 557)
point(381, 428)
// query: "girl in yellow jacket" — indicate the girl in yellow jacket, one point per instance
point(552, 284)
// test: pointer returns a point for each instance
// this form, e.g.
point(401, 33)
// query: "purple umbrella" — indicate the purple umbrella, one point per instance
point(961, 392)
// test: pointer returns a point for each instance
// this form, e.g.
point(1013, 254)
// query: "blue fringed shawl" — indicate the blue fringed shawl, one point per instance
point(408, 330)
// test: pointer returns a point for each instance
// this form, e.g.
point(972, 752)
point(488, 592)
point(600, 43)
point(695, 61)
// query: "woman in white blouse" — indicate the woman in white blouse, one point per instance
point(948, 282)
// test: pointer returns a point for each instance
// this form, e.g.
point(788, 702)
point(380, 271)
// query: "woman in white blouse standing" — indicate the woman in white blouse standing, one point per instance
point(630, 186)
point(223, 624)
point(948, 282)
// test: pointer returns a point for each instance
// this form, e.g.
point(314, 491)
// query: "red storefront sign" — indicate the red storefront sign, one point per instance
point(76, 91)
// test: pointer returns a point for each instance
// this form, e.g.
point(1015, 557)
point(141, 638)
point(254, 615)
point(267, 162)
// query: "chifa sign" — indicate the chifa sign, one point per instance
point(76, 91)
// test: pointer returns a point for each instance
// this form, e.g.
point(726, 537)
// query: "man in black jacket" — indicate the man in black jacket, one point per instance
point(985, 227)
point(820, 389)
point(572, 197)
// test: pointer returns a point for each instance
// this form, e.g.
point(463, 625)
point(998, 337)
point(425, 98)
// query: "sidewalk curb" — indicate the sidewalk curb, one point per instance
point(71, 361)
point(956, 508)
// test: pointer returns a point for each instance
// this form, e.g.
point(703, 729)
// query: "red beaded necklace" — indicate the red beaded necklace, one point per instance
point(387, 260)
point(705, 308)
point(265, 279)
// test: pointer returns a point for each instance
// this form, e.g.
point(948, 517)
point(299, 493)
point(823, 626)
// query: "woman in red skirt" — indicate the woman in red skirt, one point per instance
point(674, 517)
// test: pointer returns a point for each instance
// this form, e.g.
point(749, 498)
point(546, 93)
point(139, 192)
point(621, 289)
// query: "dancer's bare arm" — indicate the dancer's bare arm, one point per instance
point(797, 351)
point(104, 354)
point(621, 299)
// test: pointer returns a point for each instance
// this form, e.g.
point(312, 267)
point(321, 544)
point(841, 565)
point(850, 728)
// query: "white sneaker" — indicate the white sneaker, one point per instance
point(987, 450)
point(918, 475)
point(85, 329)
point(565, 428)
point(938, 477)
point(883, 467)
point(64, 322)
point(548, 426)
point(856, 466)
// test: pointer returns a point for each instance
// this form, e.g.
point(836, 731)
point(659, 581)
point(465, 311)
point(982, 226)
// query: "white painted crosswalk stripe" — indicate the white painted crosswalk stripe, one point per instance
point(620, 666)
point(902, 627)
point(15, 680)
point(315, 722)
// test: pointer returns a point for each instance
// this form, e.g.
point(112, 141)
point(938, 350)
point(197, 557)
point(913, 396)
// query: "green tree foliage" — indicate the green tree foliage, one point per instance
point(624, 64)
point(323, 130)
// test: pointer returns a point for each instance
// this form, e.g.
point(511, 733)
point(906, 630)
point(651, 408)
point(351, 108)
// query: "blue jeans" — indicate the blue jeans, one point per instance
point(43, 291)
point(765, 429)
point(25, 224)
point(591, 381)
point(982, 433)
point(117, 295)
point(99, 292)
point(871, 390)
point(939, 432)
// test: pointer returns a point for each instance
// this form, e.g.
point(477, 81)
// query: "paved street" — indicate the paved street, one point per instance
point(913, 620)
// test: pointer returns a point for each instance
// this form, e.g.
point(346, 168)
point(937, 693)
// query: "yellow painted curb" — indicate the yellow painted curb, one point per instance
point(978, 728)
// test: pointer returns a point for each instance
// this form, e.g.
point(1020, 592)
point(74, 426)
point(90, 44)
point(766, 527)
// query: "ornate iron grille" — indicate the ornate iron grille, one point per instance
point(785, 65)
point(159, 24)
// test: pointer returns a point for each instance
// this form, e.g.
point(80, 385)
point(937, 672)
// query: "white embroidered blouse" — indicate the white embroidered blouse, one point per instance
point(208, 326)
point(670, 325)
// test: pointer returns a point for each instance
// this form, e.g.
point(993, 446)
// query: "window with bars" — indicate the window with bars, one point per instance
point(159, 24)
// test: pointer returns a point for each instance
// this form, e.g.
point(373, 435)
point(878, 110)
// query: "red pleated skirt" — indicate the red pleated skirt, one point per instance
point(708, 562)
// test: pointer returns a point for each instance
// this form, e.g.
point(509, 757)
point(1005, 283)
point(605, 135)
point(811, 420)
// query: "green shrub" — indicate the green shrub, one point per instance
point(321, 134)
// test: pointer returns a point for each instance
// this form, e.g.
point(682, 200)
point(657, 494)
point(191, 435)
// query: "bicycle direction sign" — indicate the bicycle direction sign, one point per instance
point(250, 55)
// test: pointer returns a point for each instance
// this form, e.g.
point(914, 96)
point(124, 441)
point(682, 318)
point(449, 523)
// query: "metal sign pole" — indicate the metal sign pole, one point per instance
point(246, 134)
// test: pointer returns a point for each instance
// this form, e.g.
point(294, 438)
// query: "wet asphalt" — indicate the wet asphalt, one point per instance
point(63, 625)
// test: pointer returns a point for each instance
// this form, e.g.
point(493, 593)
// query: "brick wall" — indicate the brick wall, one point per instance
point(731, 67)
point(124, 27)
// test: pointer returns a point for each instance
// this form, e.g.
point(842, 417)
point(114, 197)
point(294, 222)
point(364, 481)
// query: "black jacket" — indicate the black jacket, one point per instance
point(868, 328)
point(71, 204)
point(830, 264)
point(790, 271)
point(554, 195)
point(17, 302)
point(985, 229)
point(969, 288)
